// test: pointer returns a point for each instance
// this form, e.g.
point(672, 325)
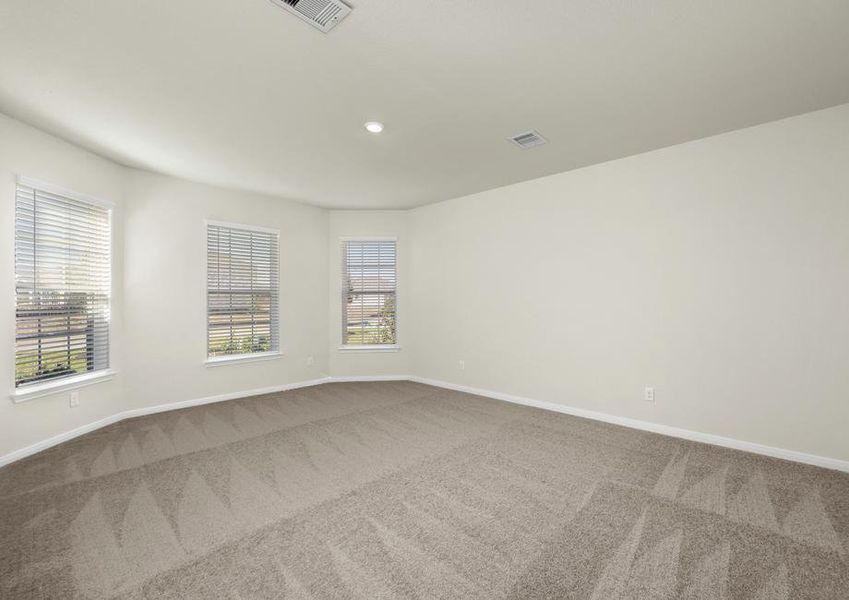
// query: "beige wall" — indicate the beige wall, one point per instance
point(28, 152)
point(716, 271)
point(368, 223)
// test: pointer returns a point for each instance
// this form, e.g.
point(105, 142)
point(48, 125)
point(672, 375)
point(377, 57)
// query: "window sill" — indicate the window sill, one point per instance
point(220, 361)
point(370, 348)
point(40, 390)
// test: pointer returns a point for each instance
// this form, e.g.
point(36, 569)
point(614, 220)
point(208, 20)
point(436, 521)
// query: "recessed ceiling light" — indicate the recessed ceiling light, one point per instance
point(374, 127)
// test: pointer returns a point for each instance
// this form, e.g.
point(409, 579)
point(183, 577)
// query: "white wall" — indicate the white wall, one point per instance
point(31, 153)
point(165, 294)
point(716, 271)
point(367, 223)
point(158, 302)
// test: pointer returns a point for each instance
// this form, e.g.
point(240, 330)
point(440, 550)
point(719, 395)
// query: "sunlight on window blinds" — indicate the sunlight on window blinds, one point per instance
point(368, 292)
point(62, 284)
point(242, 291)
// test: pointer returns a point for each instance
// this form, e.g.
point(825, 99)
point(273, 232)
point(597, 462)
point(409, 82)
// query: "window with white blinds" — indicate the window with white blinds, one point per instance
point(369, 304)
point(242, 290)
point(62, 285)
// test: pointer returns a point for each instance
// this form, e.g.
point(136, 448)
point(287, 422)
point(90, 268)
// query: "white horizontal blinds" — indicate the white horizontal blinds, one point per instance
point(242, 291)
point(368, 292)
point(62, 284)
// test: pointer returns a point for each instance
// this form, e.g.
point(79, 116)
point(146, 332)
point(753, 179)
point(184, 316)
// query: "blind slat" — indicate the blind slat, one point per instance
point(369, 306)
point(62, 289)
point(242, 290)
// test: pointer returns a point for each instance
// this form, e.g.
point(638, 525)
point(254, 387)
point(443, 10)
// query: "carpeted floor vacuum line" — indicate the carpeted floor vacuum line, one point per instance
point(401, 490)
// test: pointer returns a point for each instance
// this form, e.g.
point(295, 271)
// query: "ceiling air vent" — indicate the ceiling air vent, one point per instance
point(321, 14)
point(529, 139)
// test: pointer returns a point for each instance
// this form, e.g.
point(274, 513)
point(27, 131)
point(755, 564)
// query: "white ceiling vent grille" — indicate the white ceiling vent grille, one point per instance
point(529, 139)
point(321, 14)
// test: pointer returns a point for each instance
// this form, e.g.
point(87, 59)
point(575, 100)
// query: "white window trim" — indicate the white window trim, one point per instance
point(39, 390)
point(220, 361)
point(370, 238)
point(370, 347)
point(244, 226)
point(60, 191)
point(229, 359)
point(61, 384)
point(374, 347)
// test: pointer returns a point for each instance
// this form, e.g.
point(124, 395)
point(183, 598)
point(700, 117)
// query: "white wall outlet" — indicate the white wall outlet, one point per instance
point(74, 399)
point(648, 394)
point(310, 361)
point(462, 365)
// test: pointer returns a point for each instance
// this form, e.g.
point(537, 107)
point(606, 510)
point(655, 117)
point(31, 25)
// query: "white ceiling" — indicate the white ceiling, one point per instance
point(242, 94)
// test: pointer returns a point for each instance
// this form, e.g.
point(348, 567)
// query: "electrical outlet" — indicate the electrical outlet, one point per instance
point(310, 361)
point(75, 399)
point(462, 365)
point(648, 394)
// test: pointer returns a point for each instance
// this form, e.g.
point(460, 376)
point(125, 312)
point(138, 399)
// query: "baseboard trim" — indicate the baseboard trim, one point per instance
point(150, 410)
point(354, 378)
point(16, 455)
point(686, 434)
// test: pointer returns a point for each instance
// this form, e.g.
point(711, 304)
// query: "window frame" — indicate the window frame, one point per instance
point(343, 347)
point(77, 380)
point(230, 359)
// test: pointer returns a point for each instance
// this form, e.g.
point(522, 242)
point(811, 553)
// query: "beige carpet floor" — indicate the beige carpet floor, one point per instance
point(400, 490)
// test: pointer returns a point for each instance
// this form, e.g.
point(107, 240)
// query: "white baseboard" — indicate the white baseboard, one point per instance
point(149, 410)
point(58, 439)
point(686, 434)
point(352, 378)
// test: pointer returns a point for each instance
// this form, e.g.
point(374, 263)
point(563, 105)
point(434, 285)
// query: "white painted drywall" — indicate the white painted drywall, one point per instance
point(239, 93)
point(158, 304)
point(31, 153)
point(369, 223)
point(716, 271)
point(165, 294)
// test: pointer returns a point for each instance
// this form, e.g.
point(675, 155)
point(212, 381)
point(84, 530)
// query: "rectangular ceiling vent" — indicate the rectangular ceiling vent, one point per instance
point(321, 14)
point(529, 139)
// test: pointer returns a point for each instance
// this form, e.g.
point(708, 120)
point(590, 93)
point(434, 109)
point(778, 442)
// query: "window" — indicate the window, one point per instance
point(242, 291)
point(368, 293)
point(62, 285)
